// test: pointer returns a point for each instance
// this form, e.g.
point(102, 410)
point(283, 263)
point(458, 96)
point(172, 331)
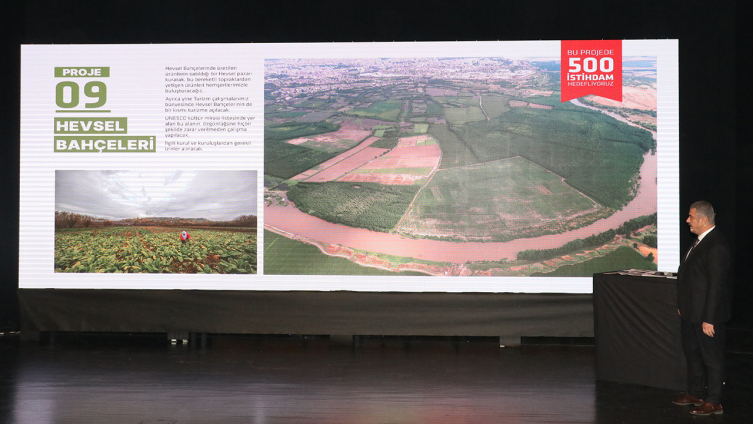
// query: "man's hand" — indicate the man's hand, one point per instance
point(708, 329)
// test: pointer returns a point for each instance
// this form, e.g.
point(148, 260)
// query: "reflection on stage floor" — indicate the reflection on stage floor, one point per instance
point(138, 378)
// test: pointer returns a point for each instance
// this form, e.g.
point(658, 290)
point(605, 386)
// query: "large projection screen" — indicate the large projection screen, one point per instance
point(401, 167)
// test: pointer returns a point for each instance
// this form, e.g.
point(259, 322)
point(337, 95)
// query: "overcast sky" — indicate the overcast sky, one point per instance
point(214, 195)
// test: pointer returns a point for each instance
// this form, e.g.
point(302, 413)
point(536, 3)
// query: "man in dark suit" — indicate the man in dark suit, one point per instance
point(703, 299)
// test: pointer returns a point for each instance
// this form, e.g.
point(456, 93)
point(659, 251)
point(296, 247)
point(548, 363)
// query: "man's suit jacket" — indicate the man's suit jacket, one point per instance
point(703, 289)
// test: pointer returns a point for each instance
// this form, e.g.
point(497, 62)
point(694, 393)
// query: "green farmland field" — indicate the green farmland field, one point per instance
point(433, 109)
point(462, 115)
point(291, 130)
point(457, 100)
point(283, 160)
point(372, 206)
point(154, 250)
point(385, 143)
point(497, 201)
point(455, 152)
point(622, 258)
point(337, 147)
point(285, 114)
point(595, 153)
point(285, 256)
point(388, 110)
point(495, 105)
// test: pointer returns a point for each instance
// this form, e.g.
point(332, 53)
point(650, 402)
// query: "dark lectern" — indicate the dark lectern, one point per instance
point(637, 331)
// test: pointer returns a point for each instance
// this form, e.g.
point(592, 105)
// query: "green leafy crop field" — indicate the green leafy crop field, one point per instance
point(154, 250)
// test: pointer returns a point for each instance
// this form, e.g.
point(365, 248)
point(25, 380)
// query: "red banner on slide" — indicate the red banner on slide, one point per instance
point(591, 67)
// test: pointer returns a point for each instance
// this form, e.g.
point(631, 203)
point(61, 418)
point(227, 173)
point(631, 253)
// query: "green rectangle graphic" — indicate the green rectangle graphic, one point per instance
point(106, 144)
point(82, 71)
point(91, 125)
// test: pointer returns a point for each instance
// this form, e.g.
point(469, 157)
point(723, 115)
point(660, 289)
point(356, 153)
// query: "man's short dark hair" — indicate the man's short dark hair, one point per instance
point(704, 208)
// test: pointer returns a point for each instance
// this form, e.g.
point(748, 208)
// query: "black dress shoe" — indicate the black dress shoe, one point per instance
point(707, 409)
point(687, 399)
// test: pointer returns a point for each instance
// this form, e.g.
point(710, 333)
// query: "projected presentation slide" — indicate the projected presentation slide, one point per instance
point(439, 167)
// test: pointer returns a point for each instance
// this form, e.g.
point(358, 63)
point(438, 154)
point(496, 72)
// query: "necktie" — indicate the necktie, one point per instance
point(692, 247)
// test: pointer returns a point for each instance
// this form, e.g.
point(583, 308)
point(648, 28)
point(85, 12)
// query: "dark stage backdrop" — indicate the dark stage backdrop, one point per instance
point(334, 313)
point(714, 149)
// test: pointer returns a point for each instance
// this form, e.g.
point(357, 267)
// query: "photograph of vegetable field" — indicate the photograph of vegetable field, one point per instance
point(456, 166)
point(156, 222)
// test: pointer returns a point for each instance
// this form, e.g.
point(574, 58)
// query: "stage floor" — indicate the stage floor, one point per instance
point(145, 379)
